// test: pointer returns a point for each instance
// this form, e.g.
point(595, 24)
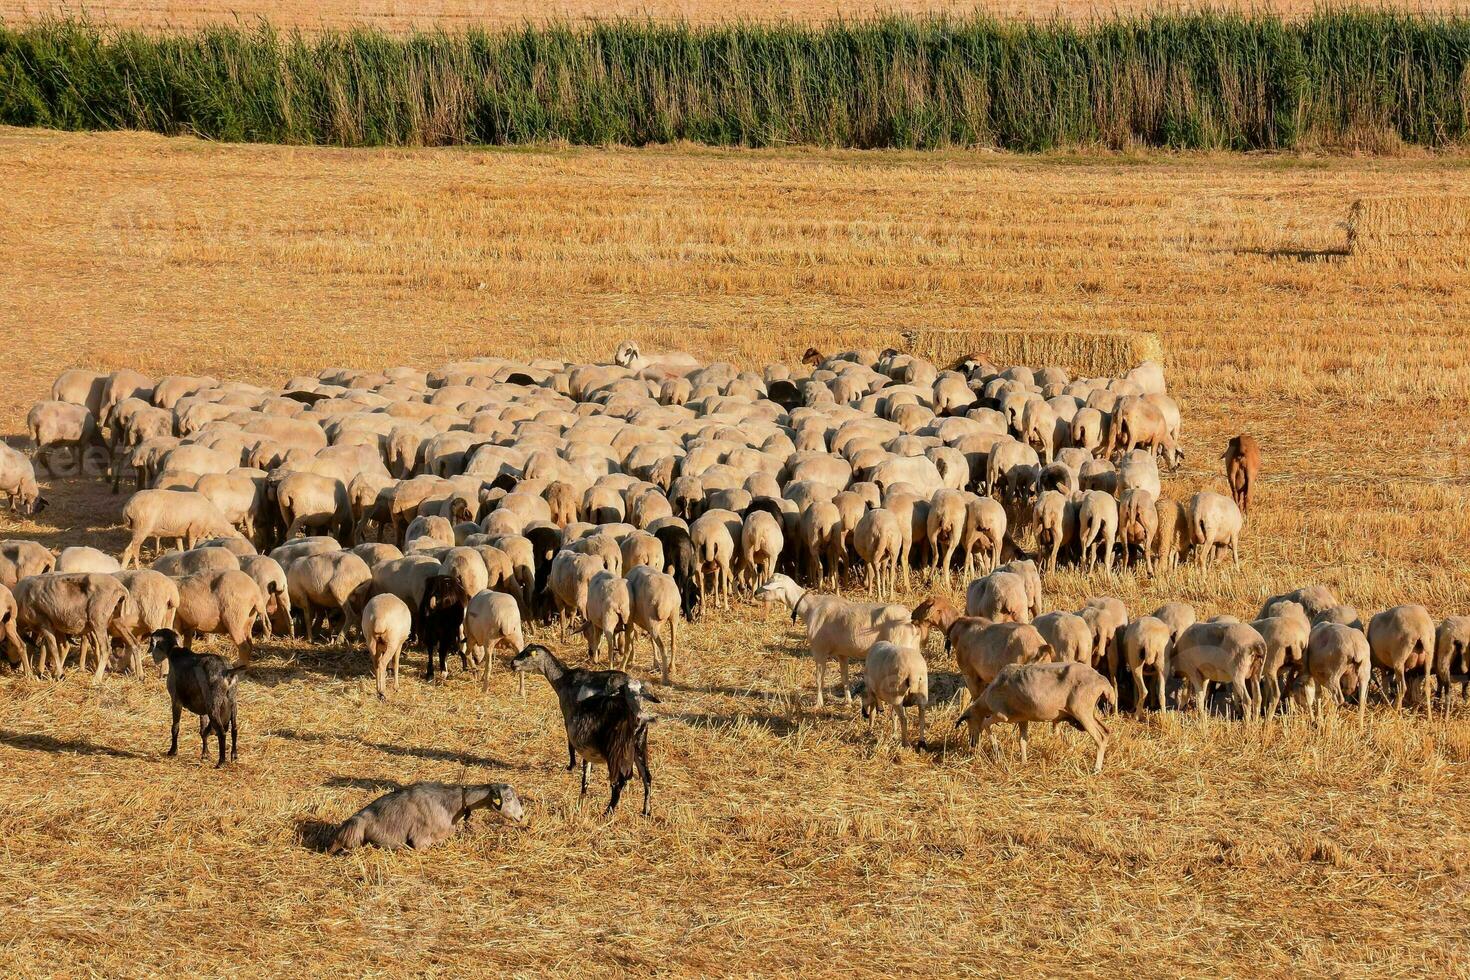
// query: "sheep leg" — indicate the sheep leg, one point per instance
point(821, 663)
point(1402, 683)
point(1093, 727)
point(923, 723)
point(380, 661)
point(178, 711)
point(1024, 728)
point(846, 687)
point(1141, 692)
point(1242, 690)
point(903, 724)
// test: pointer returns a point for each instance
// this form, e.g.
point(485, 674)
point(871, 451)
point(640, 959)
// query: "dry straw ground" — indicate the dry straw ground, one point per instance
point(783, 840)
point(405, 15)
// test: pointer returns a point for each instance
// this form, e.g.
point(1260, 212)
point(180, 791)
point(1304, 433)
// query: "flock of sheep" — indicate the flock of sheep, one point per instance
point(457, 506)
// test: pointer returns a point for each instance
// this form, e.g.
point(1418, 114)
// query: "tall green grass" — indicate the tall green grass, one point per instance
point(1204, 80)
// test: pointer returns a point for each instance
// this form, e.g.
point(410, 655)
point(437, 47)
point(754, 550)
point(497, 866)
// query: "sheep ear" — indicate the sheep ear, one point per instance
point(495, 798)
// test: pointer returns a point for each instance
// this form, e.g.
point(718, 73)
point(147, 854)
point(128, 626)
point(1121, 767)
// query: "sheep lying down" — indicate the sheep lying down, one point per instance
point(423, 814)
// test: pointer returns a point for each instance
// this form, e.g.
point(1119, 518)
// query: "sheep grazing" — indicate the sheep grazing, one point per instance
point(423, 814)
point(228, 603)
point(602, 712)
point(15, 650)
point(204, 684)
point(492, 619)
point(899, 678)
point(1146, 643)
point(58, 606)
point(441, 618)
point(1403, 640)
point(655, 598)
point(1242, 458)
point(1228, 653)
point(837, 628)
point(1214, 522)
point(386, 623)
point(1452, 654)
point(18, 483)
point(184, 515)
point(1337, 657)
point(1068, 693)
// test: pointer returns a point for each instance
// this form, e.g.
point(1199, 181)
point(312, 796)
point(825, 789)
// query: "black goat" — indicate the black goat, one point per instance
point(441, 615)
point(681, 563)
point(602, 712)
point(785, 394)
point(203, 683)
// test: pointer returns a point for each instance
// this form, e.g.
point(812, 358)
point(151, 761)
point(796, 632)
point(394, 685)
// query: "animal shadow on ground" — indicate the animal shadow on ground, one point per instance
point(315, 835)
point(47, 743)
point(410, 751)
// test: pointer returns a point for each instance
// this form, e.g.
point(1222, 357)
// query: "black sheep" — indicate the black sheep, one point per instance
point(680, 562)
point(203, 683)
point(545, 543)
point(441, 615)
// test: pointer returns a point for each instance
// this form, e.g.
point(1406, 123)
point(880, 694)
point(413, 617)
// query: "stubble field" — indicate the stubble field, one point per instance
point(783, 839)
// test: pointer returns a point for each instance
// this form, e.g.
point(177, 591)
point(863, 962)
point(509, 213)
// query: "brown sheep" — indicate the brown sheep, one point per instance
point(1242, 468)
point(1023, 693)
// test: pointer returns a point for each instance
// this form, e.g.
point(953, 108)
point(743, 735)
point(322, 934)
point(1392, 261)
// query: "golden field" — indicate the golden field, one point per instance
point(783, 839)
point(406, 15)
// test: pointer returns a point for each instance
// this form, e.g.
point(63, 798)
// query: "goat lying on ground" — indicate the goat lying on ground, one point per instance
point(203, 683)
point(421, 815)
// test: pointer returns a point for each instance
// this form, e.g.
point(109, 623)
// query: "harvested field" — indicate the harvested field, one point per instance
point(783, 839)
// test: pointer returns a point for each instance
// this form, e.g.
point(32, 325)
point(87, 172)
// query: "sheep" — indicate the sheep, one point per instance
point(1067, 634)
point(271, 578)
point(603, 716)
point(819, 528)
point(228, 603)
point(715, 546)
point(22, 559)
point(1224, 652)
point(1214, 521)
point(56, 606)
point(1172, 538)
point(205, 684)
point(1138, 525)
point(155, 600)
point(761, 544)
point(1031, 576)
point(1146, 642)
point(181, 514)
point(386, 623)
point(15, 650)
point(1024, 693)
point(421, 815)
point(1055, 518)
point(1286, 639)
point(999, 596)
point(492, 619)
point(440, 621)
point(1242, 458)
point(1097, 528)
point(878, 541)
point(984, 532)
point(609, 615)
point(570, 576)
point(55, 425)
point(1346, 615)
point(1336, 655)
point(80, 558)
point(18, 483)
point(1452, 653)
point(1403, 639)
point(1313, 599)
point(655, 598)
point(896, 676)
point(945, 526)
point(194, 561)
point(322, 584)
point(837, 628)
point(1105, 616)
